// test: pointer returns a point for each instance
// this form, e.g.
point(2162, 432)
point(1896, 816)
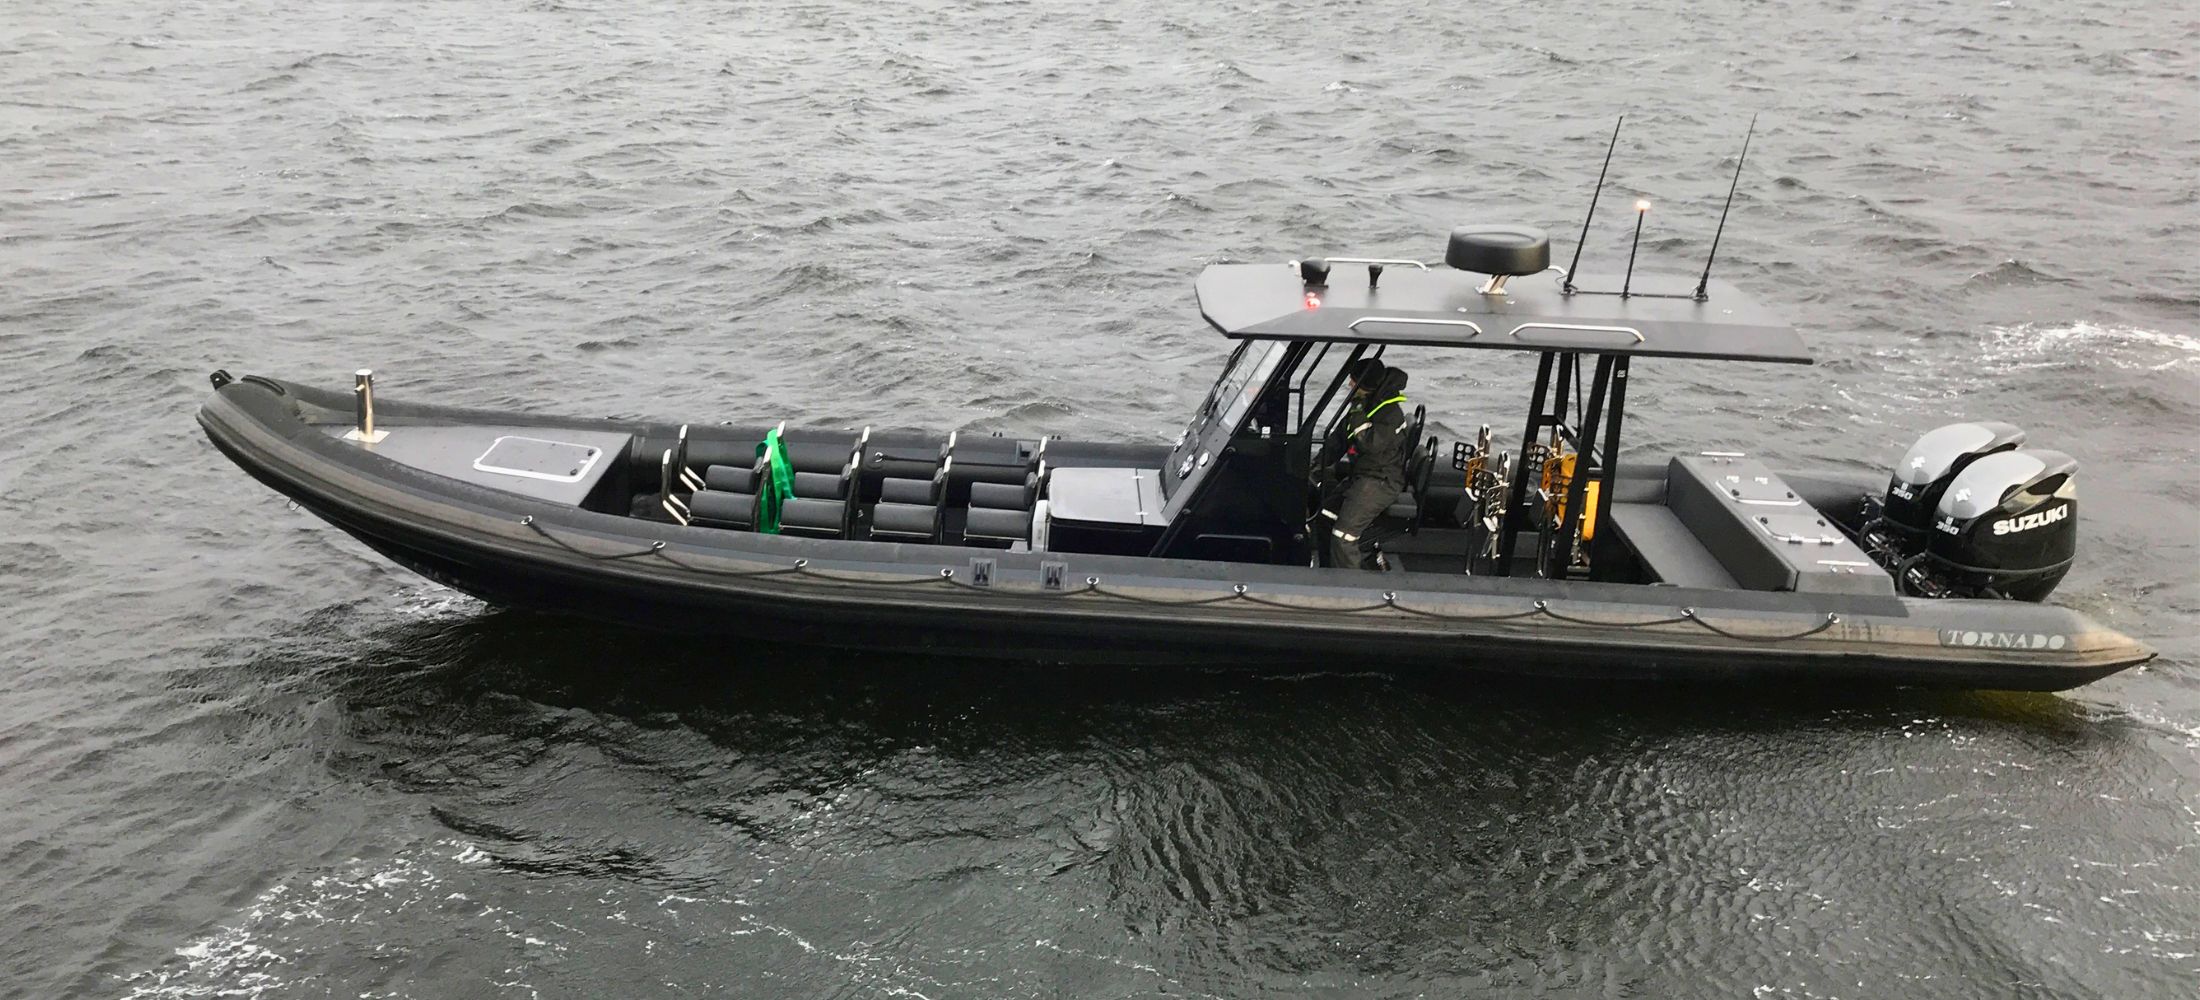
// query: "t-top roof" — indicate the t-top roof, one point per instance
point(1441, 307)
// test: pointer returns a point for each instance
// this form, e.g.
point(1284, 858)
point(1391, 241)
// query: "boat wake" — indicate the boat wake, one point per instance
point(2084, 344)
point(247, 956)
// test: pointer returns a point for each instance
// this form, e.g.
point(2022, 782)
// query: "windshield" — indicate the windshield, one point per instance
point(1225, 407)
point(1230, 369)
point(1244, 381)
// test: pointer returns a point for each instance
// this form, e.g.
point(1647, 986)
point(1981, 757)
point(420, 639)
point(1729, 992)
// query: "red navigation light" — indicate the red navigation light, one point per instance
point(1313, 301)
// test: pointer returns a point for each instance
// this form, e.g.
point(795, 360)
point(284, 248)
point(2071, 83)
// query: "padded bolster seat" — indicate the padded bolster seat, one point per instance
point(737, 509)
point(818, 485)
point(1665, 545)
point(1403, 510)
point(1003, 525)
point(904, 520)
point(730, 478)
point(997, 496)
point(906, 491)
point(805, 516)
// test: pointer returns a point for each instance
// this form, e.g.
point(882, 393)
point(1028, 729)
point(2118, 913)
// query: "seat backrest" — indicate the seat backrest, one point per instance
point(1415, 473)
point(1419, 468)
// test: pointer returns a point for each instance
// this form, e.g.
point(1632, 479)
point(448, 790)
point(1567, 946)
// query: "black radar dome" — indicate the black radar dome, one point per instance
point(1506, 250)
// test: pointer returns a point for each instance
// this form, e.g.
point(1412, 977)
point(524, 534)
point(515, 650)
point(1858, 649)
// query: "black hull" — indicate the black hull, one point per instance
point(514, 551)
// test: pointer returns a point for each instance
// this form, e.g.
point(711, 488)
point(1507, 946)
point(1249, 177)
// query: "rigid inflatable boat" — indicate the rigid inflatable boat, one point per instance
point(1554, 557)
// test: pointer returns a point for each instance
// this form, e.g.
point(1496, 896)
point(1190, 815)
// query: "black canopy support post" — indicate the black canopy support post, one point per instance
point(1517, 498)
point(1336, 382)
point(1610, 467)
point(1561, 549)
point(1294, 457)
point(1565, 377)
point(1298, 390)
point(1294, 357)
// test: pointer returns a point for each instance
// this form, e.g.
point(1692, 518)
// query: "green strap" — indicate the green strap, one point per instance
point(778, 484)
point(1379, 406)
point(1369, 420)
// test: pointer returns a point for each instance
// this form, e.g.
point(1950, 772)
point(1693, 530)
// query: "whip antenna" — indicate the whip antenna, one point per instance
point(1703, 286)
point(1568, 287)
point(1642, 209)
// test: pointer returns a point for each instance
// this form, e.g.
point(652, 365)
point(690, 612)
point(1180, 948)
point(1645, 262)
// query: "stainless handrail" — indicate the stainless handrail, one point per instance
point(1375, 260)
point(672, 504)
point(362, 387)
point(1582, 327)
point(1354, 326)
point(688, 477)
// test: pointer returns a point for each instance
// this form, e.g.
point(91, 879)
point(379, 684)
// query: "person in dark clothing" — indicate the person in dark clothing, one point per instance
point(1368, 452)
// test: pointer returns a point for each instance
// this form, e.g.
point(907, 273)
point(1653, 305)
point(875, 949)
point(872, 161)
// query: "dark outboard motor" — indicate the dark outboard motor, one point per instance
point(1922, 478)
point(2006, 527)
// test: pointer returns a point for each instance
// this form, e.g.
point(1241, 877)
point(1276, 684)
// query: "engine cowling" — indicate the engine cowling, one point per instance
point(1926, 470)
point(2006, 526)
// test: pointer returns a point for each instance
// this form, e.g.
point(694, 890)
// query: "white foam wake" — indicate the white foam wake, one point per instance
point(237, 960)
point(2032, 345)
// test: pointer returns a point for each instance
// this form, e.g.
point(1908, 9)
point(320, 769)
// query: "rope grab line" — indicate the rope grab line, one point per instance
point(1238, 592)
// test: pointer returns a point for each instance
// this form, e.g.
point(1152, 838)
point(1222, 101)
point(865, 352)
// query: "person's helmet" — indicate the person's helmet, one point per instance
point(1367, 372)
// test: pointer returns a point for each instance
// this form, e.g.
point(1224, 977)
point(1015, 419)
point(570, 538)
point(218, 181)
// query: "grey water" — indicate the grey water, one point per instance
point(242, 756)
